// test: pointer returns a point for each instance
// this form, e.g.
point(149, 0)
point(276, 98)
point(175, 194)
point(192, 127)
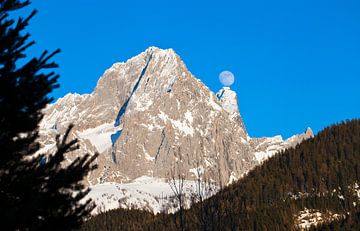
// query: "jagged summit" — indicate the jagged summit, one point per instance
point(150, 113)
point(228, 99)
point(309, 132)
point(154, 49)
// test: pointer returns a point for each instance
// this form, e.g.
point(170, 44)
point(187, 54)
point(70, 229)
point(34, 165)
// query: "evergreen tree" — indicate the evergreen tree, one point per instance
point(36, 191)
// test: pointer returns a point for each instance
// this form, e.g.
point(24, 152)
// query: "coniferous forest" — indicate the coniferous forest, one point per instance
point(319, 174)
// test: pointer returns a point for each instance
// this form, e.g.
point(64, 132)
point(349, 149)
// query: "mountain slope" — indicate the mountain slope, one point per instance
point(317, 182)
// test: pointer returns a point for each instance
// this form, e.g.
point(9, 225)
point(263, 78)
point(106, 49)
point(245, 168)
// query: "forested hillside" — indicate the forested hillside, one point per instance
point(319, 178)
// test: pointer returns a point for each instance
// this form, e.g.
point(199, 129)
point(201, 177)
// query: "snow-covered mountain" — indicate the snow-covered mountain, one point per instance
point(150, 117)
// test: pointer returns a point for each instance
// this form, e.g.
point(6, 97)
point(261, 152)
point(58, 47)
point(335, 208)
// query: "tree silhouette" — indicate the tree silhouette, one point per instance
point(176, 183)
point(36, 191)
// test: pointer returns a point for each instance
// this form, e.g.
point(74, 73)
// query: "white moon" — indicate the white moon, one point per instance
point(226, 78)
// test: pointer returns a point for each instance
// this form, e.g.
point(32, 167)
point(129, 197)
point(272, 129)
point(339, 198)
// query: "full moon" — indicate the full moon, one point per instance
point(226, 78)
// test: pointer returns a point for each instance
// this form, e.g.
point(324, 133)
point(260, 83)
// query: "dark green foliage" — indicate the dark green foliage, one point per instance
point(264, 199)
point(120, 219)
point(36, 193)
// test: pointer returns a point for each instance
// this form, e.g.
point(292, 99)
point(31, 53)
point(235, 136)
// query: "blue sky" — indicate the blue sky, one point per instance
point(297, 63)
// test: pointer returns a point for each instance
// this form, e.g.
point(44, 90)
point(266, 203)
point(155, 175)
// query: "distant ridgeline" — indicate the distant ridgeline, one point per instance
point(313, 186)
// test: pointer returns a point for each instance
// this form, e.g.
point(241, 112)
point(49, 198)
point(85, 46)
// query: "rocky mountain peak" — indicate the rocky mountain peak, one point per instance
point(309, 133)
point(150, 114)
point(228, 99)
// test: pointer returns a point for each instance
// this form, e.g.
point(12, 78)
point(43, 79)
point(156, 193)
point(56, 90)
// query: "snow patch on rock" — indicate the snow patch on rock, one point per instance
point(184, 126)
point(228, 99)
point(99, 136)
point(312, 217)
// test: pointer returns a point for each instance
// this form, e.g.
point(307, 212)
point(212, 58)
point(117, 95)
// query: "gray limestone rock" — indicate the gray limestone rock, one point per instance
point(149, 116)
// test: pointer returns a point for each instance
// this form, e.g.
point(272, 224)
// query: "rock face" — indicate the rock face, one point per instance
point(150, 117)
point(269, 146)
